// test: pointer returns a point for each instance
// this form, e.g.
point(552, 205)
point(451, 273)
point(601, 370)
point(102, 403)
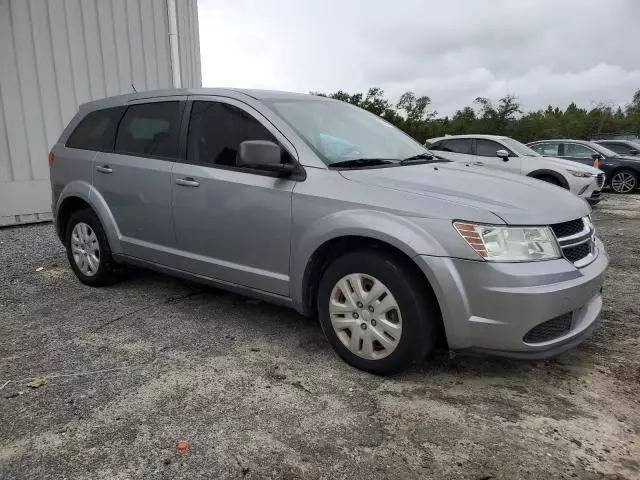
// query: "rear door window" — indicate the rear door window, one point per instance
point(150, 129)
point(578, 151)
point(97, 130)
point(620, 148)
point(548, 149)
point(456, 145)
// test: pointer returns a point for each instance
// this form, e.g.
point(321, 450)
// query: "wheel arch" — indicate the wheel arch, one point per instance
point(78, 195)
point(344, 232)
point(545, 172)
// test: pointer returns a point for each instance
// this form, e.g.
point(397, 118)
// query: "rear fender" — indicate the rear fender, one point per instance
point(85, 191)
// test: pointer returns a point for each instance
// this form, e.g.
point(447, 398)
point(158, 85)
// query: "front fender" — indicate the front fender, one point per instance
point(397, 231)
point(86, 192)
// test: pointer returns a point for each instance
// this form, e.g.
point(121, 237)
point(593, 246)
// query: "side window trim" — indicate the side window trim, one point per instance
point(181, 106)
point(249, 110)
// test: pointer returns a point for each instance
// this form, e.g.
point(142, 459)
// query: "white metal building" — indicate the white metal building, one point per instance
point(57, 54)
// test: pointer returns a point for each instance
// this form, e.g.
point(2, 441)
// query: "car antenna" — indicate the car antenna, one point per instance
point(134, 87)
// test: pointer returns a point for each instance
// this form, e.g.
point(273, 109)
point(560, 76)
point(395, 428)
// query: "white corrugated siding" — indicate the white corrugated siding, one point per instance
point(57, 54)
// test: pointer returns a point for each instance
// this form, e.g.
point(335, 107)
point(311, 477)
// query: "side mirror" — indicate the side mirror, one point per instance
point(263, 155)
point(503, 154)
point(596, 156)
point(634, 151)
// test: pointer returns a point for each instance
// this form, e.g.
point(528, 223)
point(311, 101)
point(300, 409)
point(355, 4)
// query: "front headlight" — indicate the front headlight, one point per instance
point(510, 244)
point(578, 173)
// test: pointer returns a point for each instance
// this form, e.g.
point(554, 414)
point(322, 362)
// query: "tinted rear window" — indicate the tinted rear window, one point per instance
point(97, 130)
point(457, 145)
point(150, 129)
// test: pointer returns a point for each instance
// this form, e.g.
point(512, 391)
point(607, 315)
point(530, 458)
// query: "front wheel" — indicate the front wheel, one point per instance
point(624, 181)
point(377, 312)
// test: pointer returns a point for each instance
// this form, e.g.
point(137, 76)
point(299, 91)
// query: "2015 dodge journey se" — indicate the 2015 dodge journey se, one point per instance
point(316, 204)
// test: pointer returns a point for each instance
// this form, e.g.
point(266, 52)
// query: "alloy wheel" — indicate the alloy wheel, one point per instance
point(365, 316)
point(85, 249)
point(623, 182)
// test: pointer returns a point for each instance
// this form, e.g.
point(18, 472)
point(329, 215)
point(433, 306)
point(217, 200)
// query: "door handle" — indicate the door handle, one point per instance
point(480, 164)
point(187, 182)
point(104, 169)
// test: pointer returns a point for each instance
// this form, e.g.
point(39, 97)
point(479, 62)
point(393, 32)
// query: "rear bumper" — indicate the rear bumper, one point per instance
point(490, 307)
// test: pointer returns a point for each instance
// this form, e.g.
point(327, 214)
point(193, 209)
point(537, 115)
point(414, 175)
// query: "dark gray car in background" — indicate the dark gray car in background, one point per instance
point(621, 147)
point(622, 173)
point(321, 206)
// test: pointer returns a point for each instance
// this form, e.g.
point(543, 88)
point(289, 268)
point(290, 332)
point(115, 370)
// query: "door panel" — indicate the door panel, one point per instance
point(232, 224)
point(135, 179)
point(138, 193)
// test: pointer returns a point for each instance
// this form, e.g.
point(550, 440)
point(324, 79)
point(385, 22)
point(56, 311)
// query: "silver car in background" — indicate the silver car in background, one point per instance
point(318, 205)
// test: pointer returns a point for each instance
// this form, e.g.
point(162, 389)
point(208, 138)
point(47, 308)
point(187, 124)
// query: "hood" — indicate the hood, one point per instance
point(517, 199)
point(570, 164)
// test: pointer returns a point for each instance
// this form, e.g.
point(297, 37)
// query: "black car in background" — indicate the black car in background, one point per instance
point(621, 147)
point(623, 172)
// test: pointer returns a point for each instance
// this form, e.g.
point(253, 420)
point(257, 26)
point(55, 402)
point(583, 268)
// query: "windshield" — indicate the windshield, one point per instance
point(520, 148)
point(603, 150)
point(339, 132)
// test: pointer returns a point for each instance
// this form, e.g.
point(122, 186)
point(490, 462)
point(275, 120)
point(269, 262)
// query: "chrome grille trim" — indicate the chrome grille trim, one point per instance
point(601, 179)
point(570, 242)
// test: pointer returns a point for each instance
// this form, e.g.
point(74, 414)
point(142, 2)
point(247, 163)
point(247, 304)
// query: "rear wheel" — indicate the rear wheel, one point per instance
point(624, 181)
point(88, 250)
point(376, 312)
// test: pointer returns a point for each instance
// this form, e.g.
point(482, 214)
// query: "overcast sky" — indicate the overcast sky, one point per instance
point(543, 51)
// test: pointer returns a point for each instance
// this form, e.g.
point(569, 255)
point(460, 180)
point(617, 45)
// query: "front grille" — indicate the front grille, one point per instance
point(566, 229)
point(550, 329)
point(575, 231)
point(573, 254)
point(600, 179)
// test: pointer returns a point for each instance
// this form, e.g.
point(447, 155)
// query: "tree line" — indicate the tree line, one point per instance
point(412, 114)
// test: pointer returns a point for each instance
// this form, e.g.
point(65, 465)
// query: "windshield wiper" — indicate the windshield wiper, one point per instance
point(361, 162)
point(422, 158)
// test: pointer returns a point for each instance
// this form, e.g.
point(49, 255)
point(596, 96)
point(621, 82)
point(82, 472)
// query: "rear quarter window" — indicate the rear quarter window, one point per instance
point(97, 130)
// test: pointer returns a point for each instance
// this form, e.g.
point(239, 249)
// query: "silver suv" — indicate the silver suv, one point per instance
point(321, 206)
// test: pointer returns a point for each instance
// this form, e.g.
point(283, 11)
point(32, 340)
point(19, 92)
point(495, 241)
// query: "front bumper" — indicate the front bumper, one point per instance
point(490, 307)
point(591, 192)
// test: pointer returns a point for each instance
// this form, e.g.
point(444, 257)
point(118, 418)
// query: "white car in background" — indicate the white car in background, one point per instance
point(506, 154)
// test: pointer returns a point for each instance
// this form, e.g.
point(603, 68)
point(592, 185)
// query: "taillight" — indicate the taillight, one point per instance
point(51, 158)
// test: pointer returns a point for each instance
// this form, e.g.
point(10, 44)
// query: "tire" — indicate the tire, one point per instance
point(416, 314)
point(624, 181)
point(83, 233)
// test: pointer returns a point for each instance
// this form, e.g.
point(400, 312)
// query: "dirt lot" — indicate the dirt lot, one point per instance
point(256, 392)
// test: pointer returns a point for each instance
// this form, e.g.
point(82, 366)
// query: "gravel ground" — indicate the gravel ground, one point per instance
point(256, 392)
